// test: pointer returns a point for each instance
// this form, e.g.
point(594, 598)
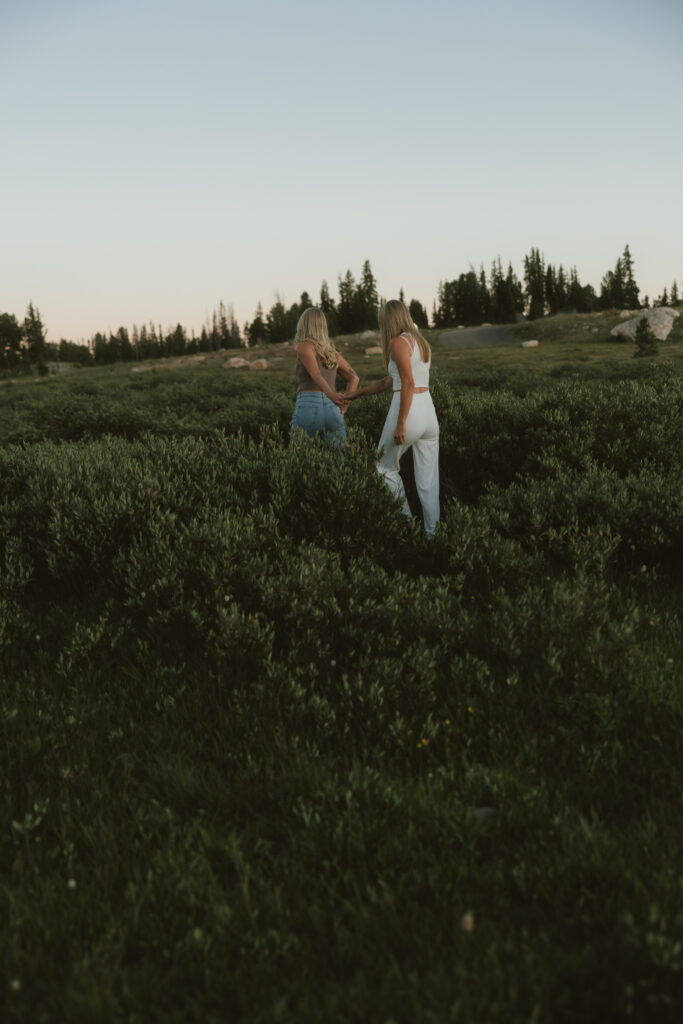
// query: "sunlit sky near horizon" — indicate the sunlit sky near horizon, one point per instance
point(159, 157)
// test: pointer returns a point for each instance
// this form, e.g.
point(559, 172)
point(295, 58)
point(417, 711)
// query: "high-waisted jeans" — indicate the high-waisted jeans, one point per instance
point(317, 414)
point(422, 435)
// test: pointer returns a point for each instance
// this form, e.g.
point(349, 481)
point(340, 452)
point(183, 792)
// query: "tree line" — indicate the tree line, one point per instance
point(472, 298)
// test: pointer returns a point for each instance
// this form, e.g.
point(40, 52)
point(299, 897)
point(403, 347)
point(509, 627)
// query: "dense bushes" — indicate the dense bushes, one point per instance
point(282, 744)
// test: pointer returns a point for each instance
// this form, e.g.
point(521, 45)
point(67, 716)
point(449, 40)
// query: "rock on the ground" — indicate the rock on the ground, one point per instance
point(530, 344)
point(661, 320)
point(374, 350)
point(259, 364)
point(235, 362)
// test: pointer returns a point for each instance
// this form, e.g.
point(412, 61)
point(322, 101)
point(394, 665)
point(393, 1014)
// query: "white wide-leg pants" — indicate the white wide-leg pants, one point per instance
point(422, 435)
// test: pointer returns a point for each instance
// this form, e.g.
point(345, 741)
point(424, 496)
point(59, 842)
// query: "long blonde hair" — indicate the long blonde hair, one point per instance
point(394, 319)
point(312, 326)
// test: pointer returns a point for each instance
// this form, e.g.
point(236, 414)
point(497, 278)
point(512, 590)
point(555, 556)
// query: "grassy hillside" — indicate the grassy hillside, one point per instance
point(266, 753)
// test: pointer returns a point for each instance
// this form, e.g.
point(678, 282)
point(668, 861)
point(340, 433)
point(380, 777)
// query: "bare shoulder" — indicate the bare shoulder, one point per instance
point(399, 346)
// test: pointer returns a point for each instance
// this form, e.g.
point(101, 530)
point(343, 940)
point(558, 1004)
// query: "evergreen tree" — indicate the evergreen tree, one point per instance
point(561, 289)
point(328, 308)
point(614, 287)
point(257, 331)
point(418, 314)
point(551, 289)
point(347, 306)
point(630, 287)
point(34, 334)
point(277, 324)
point(534, 279)
point(204, 340)
point(99, 348)
point(366, 300)
point(11, 337)
point(439, 312)
point(234, 334)
point(674, 294)
point(645, 339)
point(514, 295)
point(222, 328)
point(484, 297)
point(575, 291)
point(176, 341)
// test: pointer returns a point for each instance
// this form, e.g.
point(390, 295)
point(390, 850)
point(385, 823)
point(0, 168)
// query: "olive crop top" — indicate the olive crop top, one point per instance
point(306, 382)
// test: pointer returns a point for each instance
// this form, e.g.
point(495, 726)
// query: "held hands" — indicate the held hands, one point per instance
point(342, 401)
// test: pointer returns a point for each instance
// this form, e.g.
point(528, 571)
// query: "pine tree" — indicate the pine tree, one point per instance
point(561, 289)
point(234, 333)
point(328, 308)
point(551, 289)
point(346, 307)
point(485, 303)
point(534, 274)
point(34, 333)
point(366, 299)
point(674, 294)
point(514, 293)
point(11, 337)
point(630, 287)
point(418, 314)
point(277, 323)
point(256, 330)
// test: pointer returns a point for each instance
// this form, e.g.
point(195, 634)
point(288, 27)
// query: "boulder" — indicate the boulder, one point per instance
point(530, 344)
point(259, 364)
point(374, 350)
point(660, 319)
point(235, 362)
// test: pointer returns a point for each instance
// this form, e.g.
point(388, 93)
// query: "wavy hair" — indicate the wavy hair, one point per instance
point(312, 326)
point(395, 319)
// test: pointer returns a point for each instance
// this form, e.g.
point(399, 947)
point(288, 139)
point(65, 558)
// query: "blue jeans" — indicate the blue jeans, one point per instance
point(317, 414)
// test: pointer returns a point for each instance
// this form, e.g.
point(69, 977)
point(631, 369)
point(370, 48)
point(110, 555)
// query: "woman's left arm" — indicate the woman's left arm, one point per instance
point(400, 352)
point(348, 374)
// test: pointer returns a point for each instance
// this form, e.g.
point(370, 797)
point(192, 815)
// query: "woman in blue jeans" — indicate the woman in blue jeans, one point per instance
point(319, 408)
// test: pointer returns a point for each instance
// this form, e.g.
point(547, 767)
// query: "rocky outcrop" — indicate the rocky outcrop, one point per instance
point(661, 320)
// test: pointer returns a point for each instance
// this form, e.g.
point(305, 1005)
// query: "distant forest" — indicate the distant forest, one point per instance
point(472, 298)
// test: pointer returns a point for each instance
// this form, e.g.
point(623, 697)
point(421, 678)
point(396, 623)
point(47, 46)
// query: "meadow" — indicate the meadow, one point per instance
point(268, 754)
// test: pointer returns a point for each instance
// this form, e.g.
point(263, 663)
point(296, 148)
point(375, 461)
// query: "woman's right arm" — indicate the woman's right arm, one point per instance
point(372, 389)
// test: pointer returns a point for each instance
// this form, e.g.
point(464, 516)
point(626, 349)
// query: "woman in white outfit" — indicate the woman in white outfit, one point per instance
point(411, 421)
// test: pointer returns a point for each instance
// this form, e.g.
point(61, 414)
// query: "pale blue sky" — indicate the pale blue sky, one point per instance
point(161, 156)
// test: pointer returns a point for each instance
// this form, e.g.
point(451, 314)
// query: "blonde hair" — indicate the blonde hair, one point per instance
point(395, 319)
point(312, 326)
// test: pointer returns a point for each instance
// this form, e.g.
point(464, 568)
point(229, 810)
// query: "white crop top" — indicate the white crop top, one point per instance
point(420, 369)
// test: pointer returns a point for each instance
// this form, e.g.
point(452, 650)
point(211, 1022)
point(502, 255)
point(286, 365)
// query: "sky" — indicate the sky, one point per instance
point(162, 156)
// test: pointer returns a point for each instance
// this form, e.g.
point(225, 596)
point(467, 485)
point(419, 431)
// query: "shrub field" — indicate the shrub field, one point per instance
point(268, 754)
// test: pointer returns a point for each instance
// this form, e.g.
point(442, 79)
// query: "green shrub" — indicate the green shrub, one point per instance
point(268, 753)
